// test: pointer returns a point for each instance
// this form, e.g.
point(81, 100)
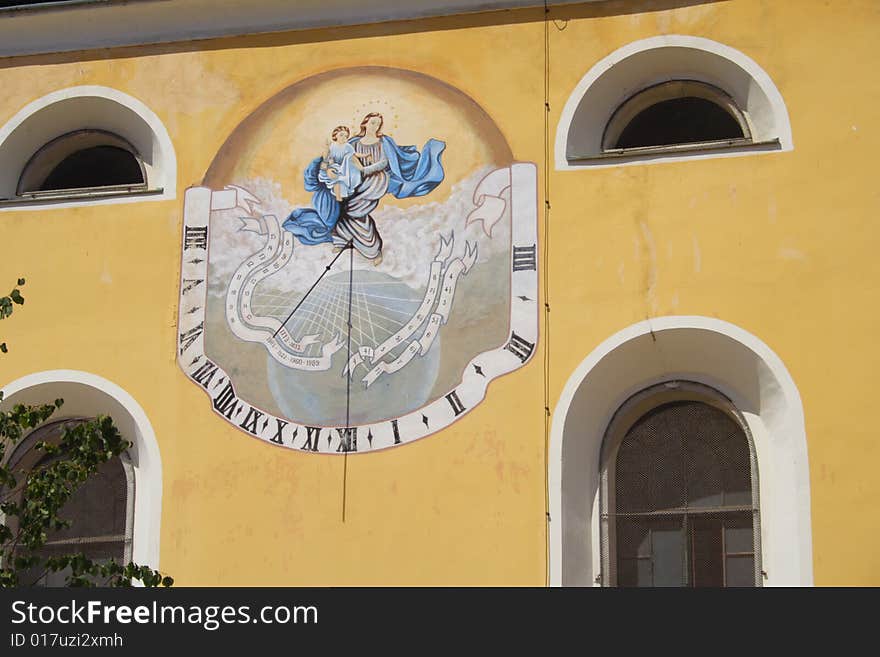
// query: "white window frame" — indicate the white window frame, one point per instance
point(655, 60)
point(89, 395)
point(86, 107)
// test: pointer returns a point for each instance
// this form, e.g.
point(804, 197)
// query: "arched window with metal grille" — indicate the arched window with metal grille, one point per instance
point(679, 492)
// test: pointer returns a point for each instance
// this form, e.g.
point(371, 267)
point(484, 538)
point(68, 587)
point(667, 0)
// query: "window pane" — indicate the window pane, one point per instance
point(740, 571)
point(94, 167)
point(96, 551)
point(97, 508)
point(633, 538)
point(739, 535)
point(706, 554)
point(650, 552)
point(668, 547)
point(679, 121)
point(633, 541)
point(738, 486)
point(718, 457)
point(650, 465)
point(704, 476)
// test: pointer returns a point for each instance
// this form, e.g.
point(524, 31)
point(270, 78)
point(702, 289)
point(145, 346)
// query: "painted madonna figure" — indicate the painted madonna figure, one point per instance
point(385, 168)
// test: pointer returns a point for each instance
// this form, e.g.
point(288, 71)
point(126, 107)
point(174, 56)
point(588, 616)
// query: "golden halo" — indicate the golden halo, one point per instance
point(383, 107)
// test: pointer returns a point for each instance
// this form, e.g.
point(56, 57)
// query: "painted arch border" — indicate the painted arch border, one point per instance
point(758, 76)
point(88, 394)
point(772, 409)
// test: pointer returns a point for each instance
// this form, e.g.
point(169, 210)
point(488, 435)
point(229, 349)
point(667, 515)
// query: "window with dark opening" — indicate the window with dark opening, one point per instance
point(679, 121)
point(677, 113)
point(95, 167)
point(682, 510)
point(83, 161)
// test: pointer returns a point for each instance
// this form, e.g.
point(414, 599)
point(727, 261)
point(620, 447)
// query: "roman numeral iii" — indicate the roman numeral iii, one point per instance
point(525, 257)
point(195, 238)
point(520, 347)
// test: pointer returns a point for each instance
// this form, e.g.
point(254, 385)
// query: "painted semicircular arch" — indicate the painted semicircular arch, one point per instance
point(296, 122)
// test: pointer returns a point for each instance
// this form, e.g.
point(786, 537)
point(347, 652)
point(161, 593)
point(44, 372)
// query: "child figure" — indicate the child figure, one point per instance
point(341, 168)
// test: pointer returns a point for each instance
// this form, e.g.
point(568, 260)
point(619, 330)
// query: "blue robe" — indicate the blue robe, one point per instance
point(410, 173)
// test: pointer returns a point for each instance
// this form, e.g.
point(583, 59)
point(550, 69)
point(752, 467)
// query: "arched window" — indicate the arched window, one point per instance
point(679, 492)
point(85, 145)
point(680, 113)
point(670, 97)
point(83, 160)
point(101, 510)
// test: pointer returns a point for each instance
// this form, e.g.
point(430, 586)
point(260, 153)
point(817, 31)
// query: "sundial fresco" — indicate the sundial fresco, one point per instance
point(359, 262)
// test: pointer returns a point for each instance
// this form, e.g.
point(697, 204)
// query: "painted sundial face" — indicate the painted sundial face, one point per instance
point(358, 264)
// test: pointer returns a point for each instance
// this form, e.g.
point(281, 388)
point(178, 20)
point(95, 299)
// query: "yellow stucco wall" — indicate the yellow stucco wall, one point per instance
point(780, 244)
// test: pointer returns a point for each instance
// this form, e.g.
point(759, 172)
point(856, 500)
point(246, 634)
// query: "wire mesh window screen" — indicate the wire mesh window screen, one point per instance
point(683, 511)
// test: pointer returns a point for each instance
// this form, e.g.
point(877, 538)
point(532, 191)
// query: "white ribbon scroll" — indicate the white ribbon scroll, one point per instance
point(450, 276)
point(367, 355)
point(487, 198)
point(247, 325)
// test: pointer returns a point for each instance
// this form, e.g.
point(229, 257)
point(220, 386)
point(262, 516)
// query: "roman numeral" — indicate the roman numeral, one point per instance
point(195, 238)
point(525, 257)
point(312, 435)
point(519, 347)
point(348, 439)
point(188, 337)
point(455, 402)
point(204, 374)
point(190, 283)
point(250, 422)
point(226, 401)
point(277, 437)
point(396, 431)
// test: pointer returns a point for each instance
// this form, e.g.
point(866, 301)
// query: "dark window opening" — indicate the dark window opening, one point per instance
point(97, 166)
point(679, 121)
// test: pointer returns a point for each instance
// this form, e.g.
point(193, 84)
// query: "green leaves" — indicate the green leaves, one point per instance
point(33, 500)
point(85, 572)
point(6, 306)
